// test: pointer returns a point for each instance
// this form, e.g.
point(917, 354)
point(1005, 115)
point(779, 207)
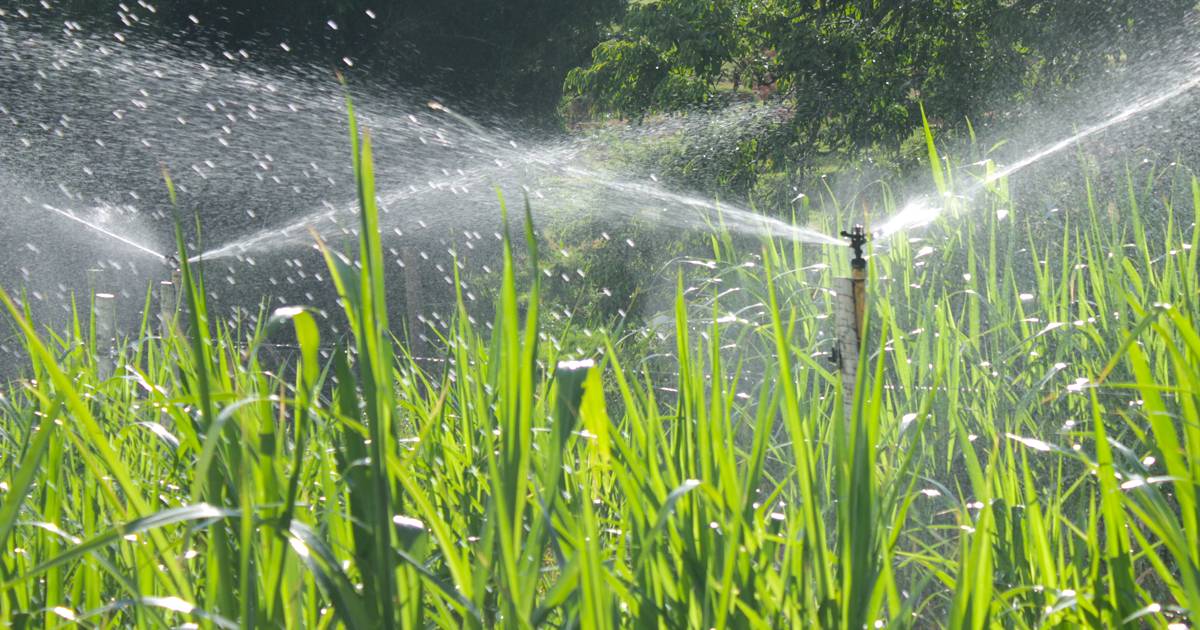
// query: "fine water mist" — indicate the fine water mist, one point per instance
point(1175, 85)
point(259, 154)
point(260, 159)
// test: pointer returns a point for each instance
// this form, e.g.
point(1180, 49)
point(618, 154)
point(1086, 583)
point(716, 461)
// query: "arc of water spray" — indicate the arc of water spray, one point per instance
point(1121, 117)
point(734, 218)
point(117, 237)
point(268, 234)
point(730, 216)
point(923, 210)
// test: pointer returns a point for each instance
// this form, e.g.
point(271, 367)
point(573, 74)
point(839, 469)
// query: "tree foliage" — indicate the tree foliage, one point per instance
point(854, 71)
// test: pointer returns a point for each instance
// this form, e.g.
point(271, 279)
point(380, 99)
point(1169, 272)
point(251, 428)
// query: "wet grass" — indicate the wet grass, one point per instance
point(1023, 449)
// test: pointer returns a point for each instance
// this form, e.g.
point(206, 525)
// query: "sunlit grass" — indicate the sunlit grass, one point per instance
point(1022, 451)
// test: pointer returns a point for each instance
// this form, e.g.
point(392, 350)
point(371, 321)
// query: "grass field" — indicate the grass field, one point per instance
point(1023, 450)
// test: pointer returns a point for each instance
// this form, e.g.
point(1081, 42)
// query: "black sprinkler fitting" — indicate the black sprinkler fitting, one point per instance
point(858, 240)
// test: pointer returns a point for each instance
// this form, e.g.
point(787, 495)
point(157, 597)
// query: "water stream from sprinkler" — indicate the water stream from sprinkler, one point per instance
point(730, 216)
point(258, 150)
point(109, 233)
point(558, 168)
point(922, 210)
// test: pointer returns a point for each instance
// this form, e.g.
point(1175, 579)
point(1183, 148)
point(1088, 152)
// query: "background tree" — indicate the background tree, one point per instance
point(852, 73)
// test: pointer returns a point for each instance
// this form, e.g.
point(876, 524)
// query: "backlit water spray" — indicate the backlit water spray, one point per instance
point(260, 158)
point(708, 215)
point(552, 172)
point(923, 210)
point(260, 153)
point(110, 234)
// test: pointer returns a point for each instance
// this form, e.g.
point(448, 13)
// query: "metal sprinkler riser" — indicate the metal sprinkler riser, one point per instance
point(850, 299)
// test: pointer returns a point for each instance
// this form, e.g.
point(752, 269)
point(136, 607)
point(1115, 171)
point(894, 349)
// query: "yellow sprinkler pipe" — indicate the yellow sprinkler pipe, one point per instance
point(858, 275)
point(850, 300)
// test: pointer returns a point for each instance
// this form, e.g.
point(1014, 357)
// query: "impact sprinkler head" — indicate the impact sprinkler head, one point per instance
point(858, 240)
point(172, 262)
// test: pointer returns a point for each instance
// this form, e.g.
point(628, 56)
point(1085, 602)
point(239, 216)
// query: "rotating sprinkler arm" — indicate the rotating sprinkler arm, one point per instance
point(858, 240)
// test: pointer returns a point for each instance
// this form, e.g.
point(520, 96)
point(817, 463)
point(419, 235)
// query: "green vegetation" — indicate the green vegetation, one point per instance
point(848, 77)
point(1023, 450)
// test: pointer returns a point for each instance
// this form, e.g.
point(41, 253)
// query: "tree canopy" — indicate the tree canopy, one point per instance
point(853, 72)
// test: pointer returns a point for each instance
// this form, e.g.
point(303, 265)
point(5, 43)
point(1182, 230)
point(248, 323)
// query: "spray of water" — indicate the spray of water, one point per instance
point(1141, 107)
point(923, 210)
point(259, 152)
point(706, 214)
point(105, 232)
point(556, 171)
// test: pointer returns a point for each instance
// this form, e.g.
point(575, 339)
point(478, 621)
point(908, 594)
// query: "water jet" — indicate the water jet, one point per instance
point(106, 232)
point(923, 210)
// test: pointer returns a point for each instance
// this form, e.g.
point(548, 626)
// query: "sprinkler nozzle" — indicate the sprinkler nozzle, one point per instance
point(858, 240)
point(171, 262)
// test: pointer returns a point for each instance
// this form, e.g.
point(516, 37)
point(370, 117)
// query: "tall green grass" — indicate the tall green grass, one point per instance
point(1022, 450)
